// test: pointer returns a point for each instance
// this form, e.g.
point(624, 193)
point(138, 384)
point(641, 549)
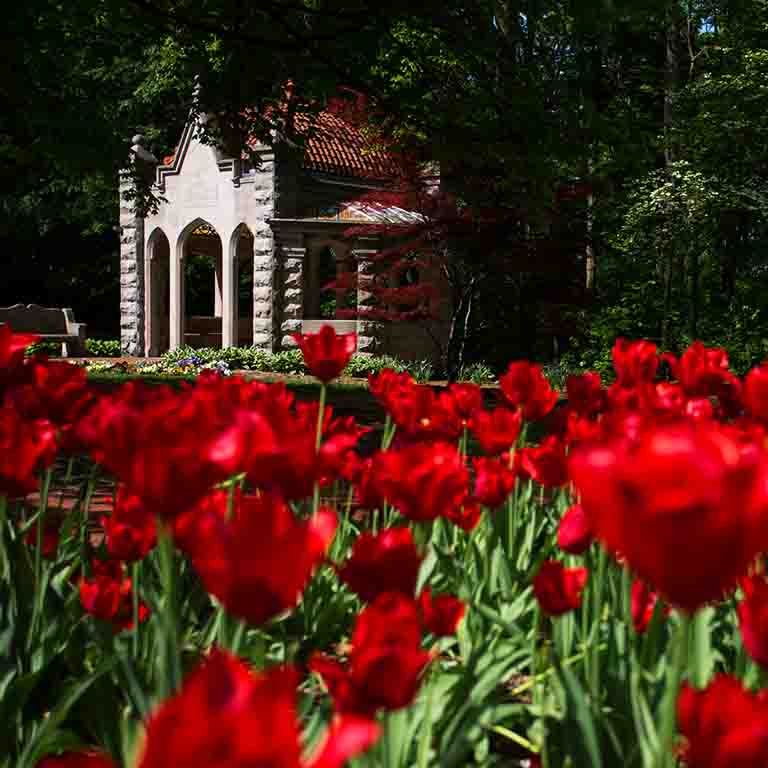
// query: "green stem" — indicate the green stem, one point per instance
point(85, 516)
point(135, 595)
point(318, 440)
point(597, 615)
point(665, 757)
point(4, 567)
point(170, 617)
point(41, 513)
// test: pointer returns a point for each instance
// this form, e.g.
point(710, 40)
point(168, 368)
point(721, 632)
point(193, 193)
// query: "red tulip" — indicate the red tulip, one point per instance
point(242, 561)
point(225, 716)
point(388, 387)
point(325, 354)
point(682, 488)
point(169, 448)
point(107, 595)
point(586, 395)
point(635, 362)
point(546, 463)
point(50, 540)
point(440, 615)
point(130, 530)
point(574, 534)
point(25, 448)
point(466, 516)
point(77, 760)
point(386, 660)
point(275, 448)
point(753, 617)
point(525, 386)
point(702, 371)
point(557, 588)
point(756, 393)
point(54, 390)
point(384, 562)
point(494, 481)
point(420, 413)
point(725, 726)
point(643, 601)
point(369, 490)
point(422, 481)
point(468, 398)
point(496, 430)
point(12, 349)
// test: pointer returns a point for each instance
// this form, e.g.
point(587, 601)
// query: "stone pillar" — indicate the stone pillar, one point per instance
point(292, 254)
point(229, 308)
point(177, 300)
point(132, 309)
point(369, 332)
point(265, 330)
point(218, 284)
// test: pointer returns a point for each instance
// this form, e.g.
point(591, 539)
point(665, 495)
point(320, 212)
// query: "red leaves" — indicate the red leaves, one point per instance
point(325, 354)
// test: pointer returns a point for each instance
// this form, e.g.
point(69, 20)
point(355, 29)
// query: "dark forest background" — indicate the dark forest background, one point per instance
point(633, 134)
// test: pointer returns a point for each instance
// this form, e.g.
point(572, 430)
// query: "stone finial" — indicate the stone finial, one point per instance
point(140, 153)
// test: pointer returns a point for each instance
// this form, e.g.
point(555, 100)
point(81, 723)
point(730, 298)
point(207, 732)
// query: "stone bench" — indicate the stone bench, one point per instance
point(49, 324)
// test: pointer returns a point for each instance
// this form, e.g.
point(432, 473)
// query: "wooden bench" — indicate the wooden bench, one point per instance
point(49, 324)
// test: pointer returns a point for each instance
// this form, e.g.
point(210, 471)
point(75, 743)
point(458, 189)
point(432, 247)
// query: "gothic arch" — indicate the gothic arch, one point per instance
point(157, 293)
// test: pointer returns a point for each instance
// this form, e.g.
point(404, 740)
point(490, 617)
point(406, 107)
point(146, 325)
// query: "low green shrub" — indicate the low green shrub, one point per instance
point(477, 373)
point(50, 348)
point(102, 347)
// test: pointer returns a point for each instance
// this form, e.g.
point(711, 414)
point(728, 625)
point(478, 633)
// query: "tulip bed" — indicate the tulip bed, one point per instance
point(260, 593)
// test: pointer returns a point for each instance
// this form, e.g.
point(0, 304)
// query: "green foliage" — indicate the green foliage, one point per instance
point(102, 347)
point(477, 373)
point(291, 361)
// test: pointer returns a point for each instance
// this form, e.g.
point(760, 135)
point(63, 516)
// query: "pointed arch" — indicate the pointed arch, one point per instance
point(197, 267)
point(157, 268)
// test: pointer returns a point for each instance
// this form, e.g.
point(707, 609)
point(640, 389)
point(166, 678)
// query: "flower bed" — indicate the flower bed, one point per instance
point(231, 583)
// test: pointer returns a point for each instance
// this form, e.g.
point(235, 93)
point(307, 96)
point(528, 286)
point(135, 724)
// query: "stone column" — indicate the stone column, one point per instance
point(369, 332)
point(132, 308)
point(265, 330)
point(218, 284)
point(292, 254)
point(177, 300)
point(229, 308)
point(263, 284)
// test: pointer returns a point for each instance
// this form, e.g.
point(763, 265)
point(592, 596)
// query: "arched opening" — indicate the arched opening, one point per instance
point(157, 306)
point(242, 242)
point(202, 286)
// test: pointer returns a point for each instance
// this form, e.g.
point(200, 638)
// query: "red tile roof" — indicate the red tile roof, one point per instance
point(337, 147)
